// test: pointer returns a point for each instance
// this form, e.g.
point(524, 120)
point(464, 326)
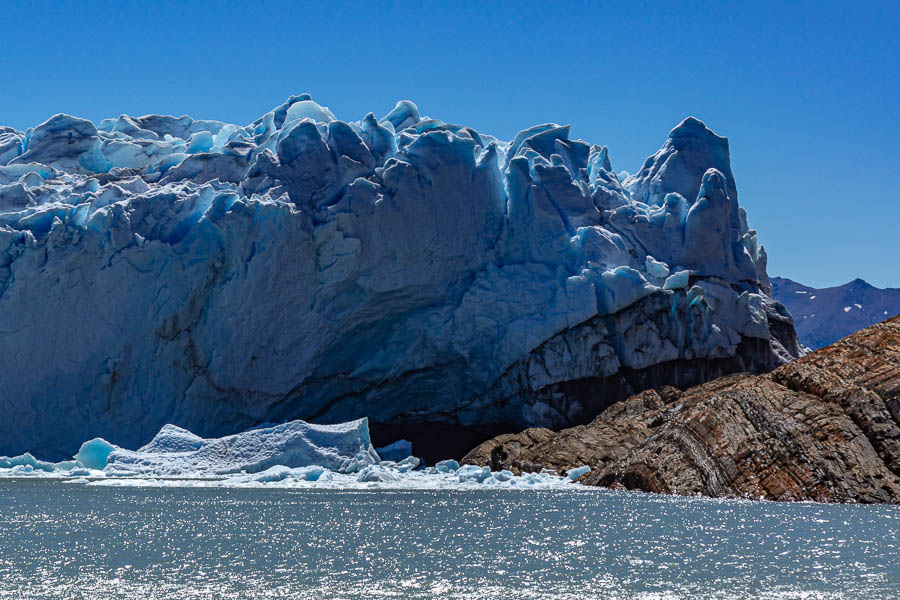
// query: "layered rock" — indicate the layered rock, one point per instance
point(824, 427)
point(446, 284)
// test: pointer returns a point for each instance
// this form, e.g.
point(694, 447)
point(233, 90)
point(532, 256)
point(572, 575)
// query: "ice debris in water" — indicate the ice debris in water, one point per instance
point(94, 453)
point(293, 454)
point(447, 466)
point(576, 473)
point(398, 450)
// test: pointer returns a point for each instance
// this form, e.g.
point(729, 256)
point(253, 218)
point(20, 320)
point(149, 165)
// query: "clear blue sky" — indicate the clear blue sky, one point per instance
point(808, 93)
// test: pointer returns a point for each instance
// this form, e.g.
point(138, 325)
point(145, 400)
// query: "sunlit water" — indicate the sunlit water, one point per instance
point(66, 540)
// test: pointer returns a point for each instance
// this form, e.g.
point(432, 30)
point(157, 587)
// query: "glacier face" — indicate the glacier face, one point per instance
point(447, 284)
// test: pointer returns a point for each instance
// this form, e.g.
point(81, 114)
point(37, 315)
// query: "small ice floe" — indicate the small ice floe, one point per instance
point(575, 474)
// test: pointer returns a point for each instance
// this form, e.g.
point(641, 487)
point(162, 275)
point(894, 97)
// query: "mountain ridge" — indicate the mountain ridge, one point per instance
point(825, 315)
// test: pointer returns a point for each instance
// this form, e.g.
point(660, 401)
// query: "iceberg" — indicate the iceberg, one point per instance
point(445, 283)
point(94, 454)
point(397, 451)
point(175, 452)
point(290, 455)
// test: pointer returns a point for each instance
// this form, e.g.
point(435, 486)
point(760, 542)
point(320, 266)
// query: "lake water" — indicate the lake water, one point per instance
point(68, 540)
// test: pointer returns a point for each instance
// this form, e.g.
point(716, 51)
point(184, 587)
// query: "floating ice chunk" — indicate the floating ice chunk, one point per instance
point(396, 451)
point(407, 464)
point(280, 473)
point(447, 466)
point(847, 309)
point(359, 462)
point(276, 473)
point(503, 475)
point(94, 453)
point(372, 477)
point(576, 473)
point(25, 462)
point(373, 473)
point(473, 473)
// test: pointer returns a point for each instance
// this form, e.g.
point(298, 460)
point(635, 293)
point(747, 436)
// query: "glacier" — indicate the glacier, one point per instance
point(445, 283)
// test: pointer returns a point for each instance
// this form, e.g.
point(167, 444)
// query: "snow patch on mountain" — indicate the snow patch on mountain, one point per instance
point(825, 315)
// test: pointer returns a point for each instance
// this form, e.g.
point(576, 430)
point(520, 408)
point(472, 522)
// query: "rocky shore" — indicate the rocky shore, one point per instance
point(824, 427)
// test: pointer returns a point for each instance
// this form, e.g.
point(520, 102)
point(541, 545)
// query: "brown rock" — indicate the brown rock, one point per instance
point(824, 427)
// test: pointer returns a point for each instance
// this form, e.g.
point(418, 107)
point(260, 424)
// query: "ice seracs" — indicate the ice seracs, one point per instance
point(446, 283)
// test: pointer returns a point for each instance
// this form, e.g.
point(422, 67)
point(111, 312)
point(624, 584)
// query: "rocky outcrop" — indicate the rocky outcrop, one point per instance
point(825, 427)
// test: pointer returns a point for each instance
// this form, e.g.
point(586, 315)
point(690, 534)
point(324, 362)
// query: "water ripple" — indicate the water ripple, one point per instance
point(65, 541)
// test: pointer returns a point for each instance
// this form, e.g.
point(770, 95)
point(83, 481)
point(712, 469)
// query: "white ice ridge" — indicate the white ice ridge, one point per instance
point(163, 269)
point(294, 454)
point(176, 452)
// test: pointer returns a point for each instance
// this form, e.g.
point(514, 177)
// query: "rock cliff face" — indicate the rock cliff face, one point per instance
point(442, 282)
point(824, 427)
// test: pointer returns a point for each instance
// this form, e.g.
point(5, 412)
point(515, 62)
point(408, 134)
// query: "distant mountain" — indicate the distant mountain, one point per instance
point(823, 316)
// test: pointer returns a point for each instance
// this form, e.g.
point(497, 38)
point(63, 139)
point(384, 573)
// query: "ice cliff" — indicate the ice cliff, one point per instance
point(447, 284)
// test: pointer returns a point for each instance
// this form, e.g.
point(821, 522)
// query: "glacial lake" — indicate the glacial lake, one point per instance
point(68, 540)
